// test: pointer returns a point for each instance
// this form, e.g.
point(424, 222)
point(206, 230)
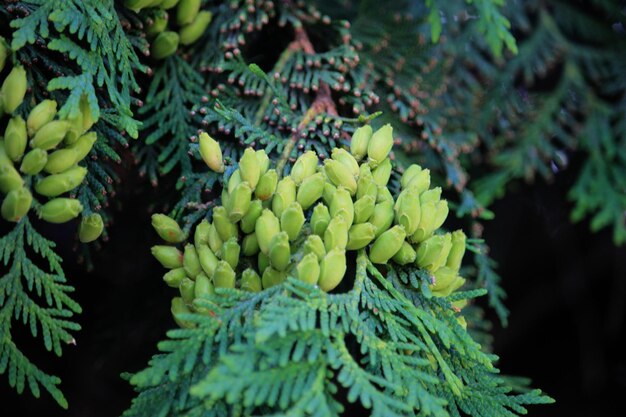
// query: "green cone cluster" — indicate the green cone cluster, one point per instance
point(39, 157)
point(173, 23)
point(304, 224)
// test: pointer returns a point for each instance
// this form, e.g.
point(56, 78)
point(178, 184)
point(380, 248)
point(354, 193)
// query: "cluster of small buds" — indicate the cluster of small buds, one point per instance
point(304, 224)
point(190, 21)
point(42, 153)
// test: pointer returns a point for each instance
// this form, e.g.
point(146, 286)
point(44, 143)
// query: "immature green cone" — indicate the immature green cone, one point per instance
point(168, 4)
point(311, 190)
point(167, 228)
point(408, 210)
point(328, 193)
point(382, 217)
point(16, 204)
point(360, 235)
point(250, 281)
point(272, 277)
point(34, 161)
point(314, 244)
point(208, 260)
point(264, 161)
point(224, 276)
point(158, 25)
point(50, 135)
point(304, 167)
point(250, 168)
point(211, 152)
point(187, 11)
point(360, 141)
point(382, 173)
point(4, 53)
point(165, 44)
point(433, 195)
point(224, 226)
point(203, 286)
point(174, 277)
point(168, 256)
point(384, 194)
point(191, 261)
point(60, 210)
point(83, 145)
point(406, 255)
point(279, 251)
point(380, 145)
point(57, 184)
point(90, 228)
point(15, 138)
point(332, 269)
point(285, 194)
point(336, 234)
point(75, 129)
point(179, 308)
point(387, 245)
point(263, 262)
point(60, 160)
point(320, 219)
point(267, 185)
point(433, 252)
point(10, 179)
point(248, 221)
point(427, 219)
point(364, 208)
point(201, 234)
point(366, 184)
point(416, 177)
point(408, 174)
point(239, 202)
point(342, 205)
point(137, 5)
point(343, 156)
point(443, 278)
point(85, 110)
point(230, 252)
point(186, 289)
point(455, 257)
point(214, 239)
point(308, 269)
point(267, 226)
point(339, 174)
point(292, 220)
point(250, 245)
point(13, 89)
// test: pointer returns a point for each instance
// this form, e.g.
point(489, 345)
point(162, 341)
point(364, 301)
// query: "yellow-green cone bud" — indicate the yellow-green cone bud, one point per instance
point(60, 160)
point(382, 217)
point(168, 4)
point(90, 228)
point(187, 11)
point(239, 202)
point(158, 25)
point(382, 172)
point(406, 255)
point(230, 252)
point(193, 31)
point(267, 185)
point(364, 208)
point(285, 194)
point(167, 228)
point(250, 245)
point(208, 260)
point(308, 269)
point(313, 244)
point(279, 251)
point(248, 221)
point(57, 184)
point(224, 226)
point(272, 277)
point(342, 206)
point(191, 262)
point(366, 184)
point(41, 114)
point(224, 276)
point(383, 194)
point(85, 111)
point(336, 234)
point(387, 245)
point(250, 281)
point(292, 220)
point(419, 181)
point(203, 286)
point(10, 179)
point(328, 193)
point(433, 252)
point(267, 226)
point(168, 256)
point(332, 269)
point(360, 235)
point(360, 141)
point(4, 54)
point(16, 204)
point(137, 5)
point(201, 235)
point(214, 239)
point(455, 257)
point(165, 44)
point(304, 167)
point(424, 230)
point(263, 262)
point(15, 138)
point(13, 89)
point(186, 289)
point(249, 168)
point(60, 210)
point(380, 145)
point(83, 145)
point(311, 190)
point(408, 210)
point(34, 161)
point(174, 277)
point(50, 135)
point(211, 152)
point(441, 215)
point(264, 161)
point(339, 174)
point(320, 219)
point(343, 156)
point(432, 195)
point(75, 130)
point(444, 279)
point(179, 308)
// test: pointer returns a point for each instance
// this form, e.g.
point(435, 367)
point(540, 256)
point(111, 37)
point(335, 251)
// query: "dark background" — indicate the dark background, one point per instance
point(566, 292)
